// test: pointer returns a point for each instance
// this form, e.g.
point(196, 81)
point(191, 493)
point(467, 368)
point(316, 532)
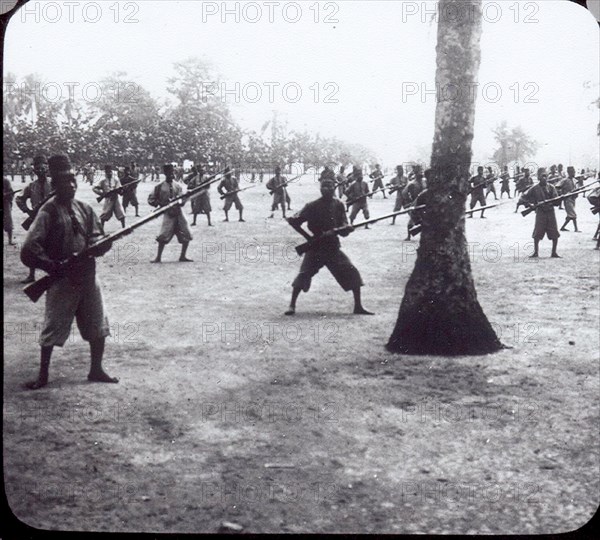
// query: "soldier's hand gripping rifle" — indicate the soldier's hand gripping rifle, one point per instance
point(194, 192)
point(230, 193)
point(36, 289)
point(288, 182)
point(534, 207)
point(34, 212)
point(315, 241)
point(117, 191)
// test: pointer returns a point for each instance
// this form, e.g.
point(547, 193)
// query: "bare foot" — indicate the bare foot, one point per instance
point(291, 311)
point(156, 261)
point(242, 220)
point(35, 385)
point(534, 256)
point(556, 256)
point(28, 279)
point(102, 376)
point(362, 311)
point(185, 259)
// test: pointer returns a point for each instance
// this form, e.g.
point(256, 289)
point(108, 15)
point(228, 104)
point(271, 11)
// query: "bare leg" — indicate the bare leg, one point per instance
point(358, 307)
point(554, 254)
point(241, 215)
point(208, 217)
point(31, 277)
point(295, 294)
point(42, 380)
point(97, 374)
point(161, 248)
point(536, 246)
point(182, 257)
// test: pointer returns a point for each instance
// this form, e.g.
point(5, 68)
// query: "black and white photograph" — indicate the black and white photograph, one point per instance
point(306, 266)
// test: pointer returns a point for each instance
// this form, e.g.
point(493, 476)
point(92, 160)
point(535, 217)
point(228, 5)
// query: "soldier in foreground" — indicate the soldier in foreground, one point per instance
point(323, 215)
point(112, 204)
point(545, 219)
point(227, 185)
point(37, 192)
point(63, 226)
point(174, 222)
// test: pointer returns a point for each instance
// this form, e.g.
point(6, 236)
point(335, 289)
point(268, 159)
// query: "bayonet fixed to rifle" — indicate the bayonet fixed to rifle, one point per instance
point(117, 190)
point(36, 289)
point(314, 241)
point(534, 207)
point(184, 196)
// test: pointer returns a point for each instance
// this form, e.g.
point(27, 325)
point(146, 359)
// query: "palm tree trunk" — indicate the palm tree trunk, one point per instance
point(440, 313)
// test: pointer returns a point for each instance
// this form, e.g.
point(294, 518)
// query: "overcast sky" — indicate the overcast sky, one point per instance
point(545, 52)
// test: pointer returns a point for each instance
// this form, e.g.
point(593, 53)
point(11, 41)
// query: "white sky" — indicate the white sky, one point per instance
point(373, 49)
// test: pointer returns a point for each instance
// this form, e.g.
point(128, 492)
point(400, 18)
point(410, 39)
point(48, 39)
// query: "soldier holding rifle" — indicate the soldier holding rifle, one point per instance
point(341, 181)
point(63, 226)
point(174, 222)
point(410, 194)
point(477, 184)
point(201, 204)
point(523, 183)
point(38, 192)
point(566, 186)
point(504, 182)
point(490, 182)
point(322, 216)
point(398, 183)
point(112, 204)
point(129, 183)
point(276, 186)
point(545, 219)
point(357, 194)
point(377, 176)
point(229, 187)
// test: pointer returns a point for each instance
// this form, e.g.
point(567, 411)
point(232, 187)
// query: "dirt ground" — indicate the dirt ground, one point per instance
point(229, 412)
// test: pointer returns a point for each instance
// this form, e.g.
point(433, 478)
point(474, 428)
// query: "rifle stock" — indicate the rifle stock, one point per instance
point(534, 207)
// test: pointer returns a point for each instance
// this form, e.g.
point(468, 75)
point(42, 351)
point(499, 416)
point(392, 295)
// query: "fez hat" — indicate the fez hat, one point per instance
point(108, 168)
point(59, 165)
point(168, 167)
point(541, 171)
point(569, 169)
point(327, 174)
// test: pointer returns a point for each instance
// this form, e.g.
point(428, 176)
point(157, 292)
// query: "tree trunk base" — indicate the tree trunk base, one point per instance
point(441, 331)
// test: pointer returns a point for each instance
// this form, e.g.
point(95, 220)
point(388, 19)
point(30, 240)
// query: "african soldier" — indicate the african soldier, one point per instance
point(276, 186)
point(398, 183)
point(63, 226)
point(545, 219)
point(174, 222)
point(112, 204)
point(490, 180)
point(504, 182)
point(201, 203)
point(564, 186)
point(37, 192)
point(341, 181)
point(410, 194)
point(377, 176)
point(323, 215)
point(130, 191)
point(523, 183)
point(477, 184)
point(230, 184)
point(358, 192)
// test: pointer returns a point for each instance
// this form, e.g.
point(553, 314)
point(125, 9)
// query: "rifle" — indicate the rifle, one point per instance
point(118, 190)
point(313, 242)
point(288, 182)
point(184, 196)
point(29, 220)
point(237, 191)
point(36, 289)
point(534, 207)
point(416, 229)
